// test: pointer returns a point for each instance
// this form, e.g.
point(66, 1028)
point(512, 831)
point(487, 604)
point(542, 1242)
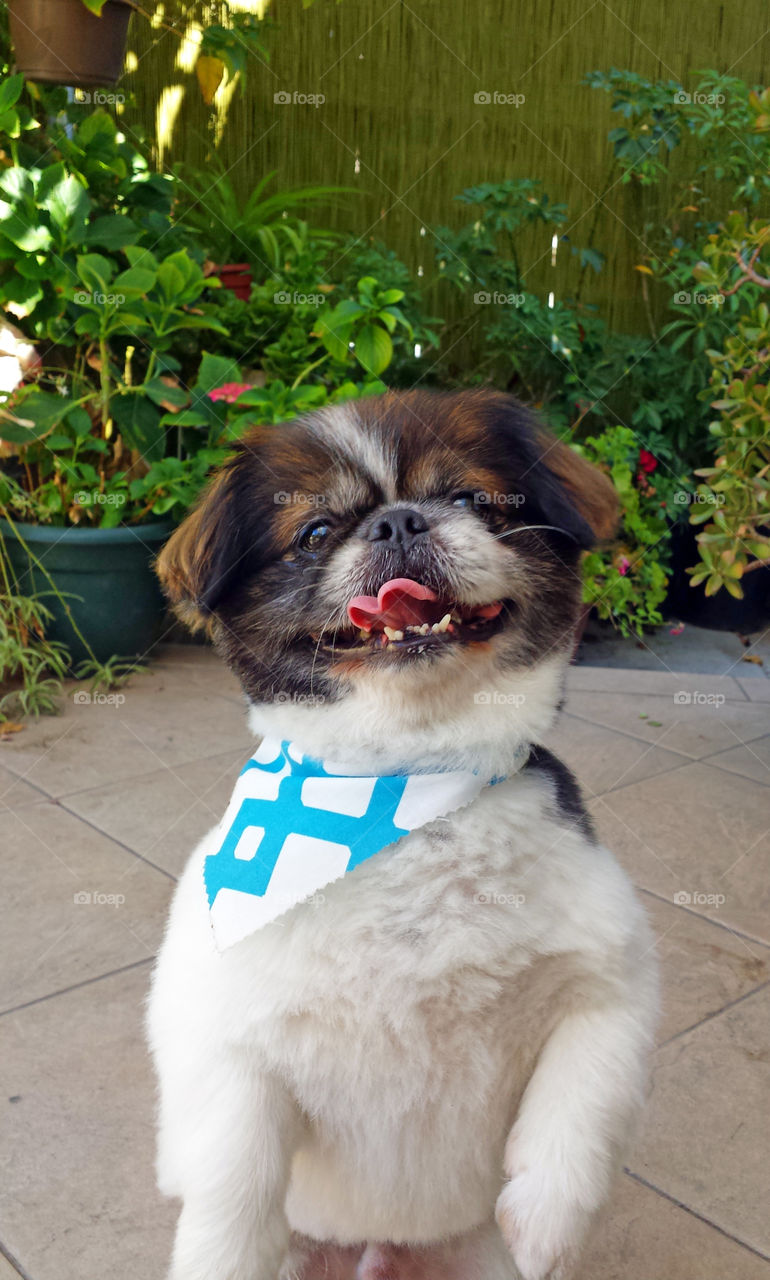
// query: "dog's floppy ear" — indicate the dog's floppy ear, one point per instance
point(201, 559)
point(591, 491)
point(559, 487)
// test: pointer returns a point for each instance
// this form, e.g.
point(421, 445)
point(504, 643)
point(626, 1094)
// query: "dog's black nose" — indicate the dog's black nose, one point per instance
point(400, 527)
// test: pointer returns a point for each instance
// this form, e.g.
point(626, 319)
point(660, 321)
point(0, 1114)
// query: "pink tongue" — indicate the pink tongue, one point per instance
point(399, 603)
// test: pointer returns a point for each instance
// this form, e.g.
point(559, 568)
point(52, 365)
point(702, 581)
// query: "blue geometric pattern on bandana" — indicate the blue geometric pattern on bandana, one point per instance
point(295, 825)
point(287, 815)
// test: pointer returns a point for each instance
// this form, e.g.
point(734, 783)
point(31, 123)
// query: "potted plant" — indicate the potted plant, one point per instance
point(242, 237)
point(75, 42)
point(626, 581)
point(732, 500)
point(88, 492)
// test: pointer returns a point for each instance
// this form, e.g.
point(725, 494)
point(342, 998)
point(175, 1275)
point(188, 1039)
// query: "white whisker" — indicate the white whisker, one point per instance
point(529, 528)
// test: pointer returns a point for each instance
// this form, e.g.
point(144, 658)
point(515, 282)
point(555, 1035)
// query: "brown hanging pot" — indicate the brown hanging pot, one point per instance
point(62, 42)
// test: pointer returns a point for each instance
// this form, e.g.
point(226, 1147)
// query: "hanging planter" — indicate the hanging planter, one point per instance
point(66, 42)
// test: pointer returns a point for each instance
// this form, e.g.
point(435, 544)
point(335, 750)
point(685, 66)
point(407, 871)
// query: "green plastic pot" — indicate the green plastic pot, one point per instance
point(106, 577)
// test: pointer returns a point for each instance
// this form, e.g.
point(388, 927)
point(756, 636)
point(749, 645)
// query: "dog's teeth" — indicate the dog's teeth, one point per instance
point(424, 629)
point(445, 621)
point(364, 635)
point(392, 634)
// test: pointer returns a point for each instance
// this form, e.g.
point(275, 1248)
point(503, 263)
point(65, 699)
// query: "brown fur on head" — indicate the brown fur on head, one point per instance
point(507, 511)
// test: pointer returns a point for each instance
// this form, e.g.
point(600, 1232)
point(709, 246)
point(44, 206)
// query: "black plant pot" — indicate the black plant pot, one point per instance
point(62, 42)
point(720, 612)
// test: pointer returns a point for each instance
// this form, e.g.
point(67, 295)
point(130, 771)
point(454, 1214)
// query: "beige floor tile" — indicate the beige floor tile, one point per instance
point(602, 759)
point(163, 721)
point(703, 967)
point(663, 682)
point(695, 728)
point(164, 814)
point(697, 832)
point(199, 664)
point(752, 761)
point(707, 1127)
point(51, 938)
point(643, 1236)
point(15, 792)
point(756, 690)
point(78, 1143)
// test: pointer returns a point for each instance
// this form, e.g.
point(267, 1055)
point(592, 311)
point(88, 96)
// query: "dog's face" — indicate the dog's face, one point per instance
point(412, 542)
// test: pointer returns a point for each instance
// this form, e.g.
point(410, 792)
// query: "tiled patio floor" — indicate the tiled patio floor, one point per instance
point(108, 800)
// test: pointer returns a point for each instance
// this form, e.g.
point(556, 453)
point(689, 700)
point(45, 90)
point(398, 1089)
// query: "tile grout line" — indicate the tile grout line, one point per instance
point(151, 773)
point(696, 915)
point(666, 1195)
point(113, 840)
point(626, 733)
point(76, 986)
point(13, 1261)
point(717, 1013)
point(738, 698)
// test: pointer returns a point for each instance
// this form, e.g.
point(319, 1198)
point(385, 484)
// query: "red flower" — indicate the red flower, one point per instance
point(623, 564)
point(229, 391)
point(647, 461)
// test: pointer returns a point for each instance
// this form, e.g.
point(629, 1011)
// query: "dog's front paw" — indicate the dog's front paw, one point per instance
point(542, 1225)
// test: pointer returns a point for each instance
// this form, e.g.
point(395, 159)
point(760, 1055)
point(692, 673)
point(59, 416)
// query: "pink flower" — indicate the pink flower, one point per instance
point(229, 391)
point(624, 564)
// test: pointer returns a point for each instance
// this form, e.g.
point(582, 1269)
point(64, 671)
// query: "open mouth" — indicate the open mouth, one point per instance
point(407, 616)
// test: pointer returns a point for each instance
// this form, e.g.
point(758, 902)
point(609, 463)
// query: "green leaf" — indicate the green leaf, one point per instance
point(373, 348)
point(95, 271)
point(137, 281)
point(140, 424)
point(112, 231)
point(79, 422)
point(335, 335)
point(10, 89)
point(68, 205)
point(215, 371)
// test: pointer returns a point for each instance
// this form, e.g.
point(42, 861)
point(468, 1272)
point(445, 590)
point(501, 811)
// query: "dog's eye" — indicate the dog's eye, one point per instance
point(468, 499)
point(312, 538)
point(472, 500)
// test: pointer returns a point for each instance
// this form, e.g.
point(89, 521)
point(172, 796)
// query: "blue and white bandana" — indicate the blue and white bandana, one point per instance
point(295, 825)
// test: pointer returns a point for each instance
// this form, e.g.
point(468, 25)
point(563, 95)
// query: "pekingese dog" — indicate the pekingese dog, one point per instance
point(402, 1011)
